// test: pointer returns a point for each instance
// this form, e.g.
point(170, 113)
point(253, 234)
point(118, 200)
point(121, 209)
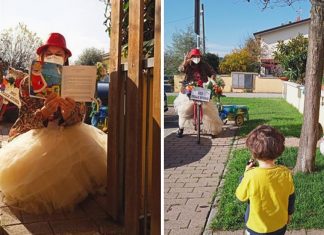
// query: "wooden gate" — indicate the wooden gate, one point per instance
point(134, 151)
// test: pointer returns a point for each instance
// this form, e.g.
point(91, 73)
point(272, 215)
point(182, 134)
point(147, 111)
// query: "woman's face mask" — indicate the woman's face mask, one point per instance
point(196, 60)
point(54, 59)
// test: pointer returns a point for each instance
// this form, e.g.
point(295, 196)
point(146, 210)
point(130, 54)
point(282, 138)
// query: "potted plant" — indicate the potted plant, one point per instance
point(290, 74)
point(279, 73)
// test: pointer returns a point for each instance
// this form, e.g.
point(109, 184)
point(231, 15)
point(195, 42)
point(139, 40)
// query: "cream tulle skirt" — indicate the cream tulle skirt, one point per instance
point(53, 168)
point(211, 122)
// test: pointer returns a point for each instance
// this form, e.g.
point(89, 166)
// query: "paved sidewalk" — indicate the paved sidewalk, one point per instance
point(89, 217)
point(191, 175)
point(289, 142)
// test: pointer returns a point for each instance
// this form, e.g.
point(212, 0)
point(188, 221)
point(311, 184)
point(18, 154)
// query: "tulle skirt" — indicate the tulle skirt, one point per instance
point(53, 168)
point(211, 122)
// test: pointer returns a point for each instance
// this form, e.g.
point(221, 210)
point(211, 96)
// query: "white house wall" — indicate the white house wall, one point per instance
point(321, 112)
point(292, 94)
point(269, 40)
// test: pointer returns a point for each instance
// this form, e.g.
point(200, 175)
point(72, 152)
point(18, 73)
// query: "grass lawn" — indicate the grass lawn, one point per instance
point(309, 205)
point(275, 112)
point(171, 98)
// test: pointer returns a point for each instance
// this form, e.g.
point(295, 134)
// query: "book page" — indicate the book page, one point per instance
point(44, 79)
point(79, 82)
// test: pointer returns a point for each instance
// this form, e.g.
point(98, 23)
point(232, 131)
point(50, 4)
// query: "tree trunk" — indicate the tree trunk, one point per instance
point(314, 72)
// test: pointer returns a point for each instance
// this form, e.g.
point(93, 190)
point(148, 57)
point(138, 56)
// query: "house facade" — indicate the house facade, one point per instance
point(269, 39)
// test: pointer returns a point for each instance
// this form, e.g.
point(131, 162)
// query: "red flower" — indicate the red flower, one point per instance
point(200, 83)
point(218, 90)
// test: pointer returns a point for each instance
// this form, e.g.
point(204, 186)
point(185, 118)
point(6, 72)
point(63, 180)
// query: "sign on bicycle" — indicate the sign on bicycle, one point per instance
point(200, 94)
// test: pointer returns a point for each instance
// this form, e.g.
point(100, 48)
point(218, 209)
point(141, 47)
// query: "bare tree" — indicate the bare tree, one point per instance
point(18, 46)
point(314, 73)
point(182, 42)
point(267, 3)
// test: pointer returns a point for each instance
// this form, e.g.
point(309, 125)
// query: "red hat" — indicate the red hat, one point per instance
point(194, 52)
point(57, 40)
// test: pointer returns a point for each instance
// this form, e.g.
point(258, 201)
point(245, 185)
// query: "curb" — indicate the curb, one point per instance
point(214, 206)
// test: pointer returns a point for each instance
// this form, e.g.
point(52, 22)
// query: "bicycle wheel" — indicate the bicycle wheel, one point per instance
point(198, 122)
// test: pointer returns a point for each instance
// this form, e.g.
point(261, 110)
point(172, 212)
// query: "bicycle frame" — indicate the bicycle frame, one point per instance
point(198, 100)
point(197, 103)
point(198, 114)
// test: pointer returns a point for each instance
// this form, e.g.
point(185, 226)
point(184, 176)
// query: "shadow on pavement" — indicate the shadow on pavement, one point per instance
point(170, 119)
point(171, 125)
point(89, 217)
point(179, 152)
point(229, 130)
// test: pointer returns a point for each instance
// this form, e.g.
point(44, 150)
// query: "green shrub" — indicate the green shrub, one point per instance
point(292, 57)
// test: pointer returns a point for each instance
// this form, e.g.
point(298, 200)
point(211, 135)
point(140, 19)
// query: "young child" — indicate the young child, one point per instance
point(268, 188)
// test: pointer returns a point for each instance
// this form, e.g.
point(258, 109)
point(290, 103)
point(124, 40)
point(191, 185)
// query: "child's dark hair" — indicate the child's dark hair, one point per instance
point(265, 143)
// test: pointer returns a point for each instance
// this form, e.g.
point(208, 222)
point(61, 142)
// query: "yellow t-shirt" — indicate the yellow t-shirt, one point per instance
point(268, 190)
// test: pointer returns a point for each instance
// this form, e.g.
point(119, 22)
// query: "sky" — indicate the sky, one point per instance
point(80, 21)
point(228, 23)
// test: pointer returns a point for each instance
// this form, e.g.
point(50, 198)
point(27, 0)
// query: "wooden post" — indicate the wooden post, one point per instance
point(134, 112)
point(115, 172)
point(156, 157)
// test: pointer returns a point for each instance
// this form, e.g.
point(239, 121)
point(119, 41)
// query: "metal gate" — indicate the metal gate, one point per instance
point(243, 80)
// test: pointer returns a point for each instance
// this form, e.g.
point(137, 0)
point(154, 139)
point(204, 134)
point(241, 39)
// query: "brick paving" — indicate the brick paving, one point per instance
point(192, 172)
point(88, 218)
point(289, 142)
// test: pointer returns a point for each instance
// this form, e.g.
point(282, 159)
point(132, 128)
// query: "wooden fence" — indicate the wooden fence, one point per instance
point(134, 151)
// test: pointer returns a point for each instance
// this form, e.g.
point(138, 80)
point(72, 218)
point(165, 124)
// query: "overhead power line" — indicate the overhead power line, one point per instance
point(173, 21)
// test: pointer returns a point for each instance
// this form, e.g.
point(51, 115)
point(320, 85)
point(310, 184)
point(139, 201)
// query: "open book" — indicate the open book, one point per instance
point(77, 82)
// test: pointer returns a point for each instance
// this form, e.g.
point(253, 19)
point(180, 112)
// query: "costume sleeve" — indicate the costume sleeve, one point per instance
point(77, 114)
point(242, 190)
point(29, 116)
point(183, 67)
